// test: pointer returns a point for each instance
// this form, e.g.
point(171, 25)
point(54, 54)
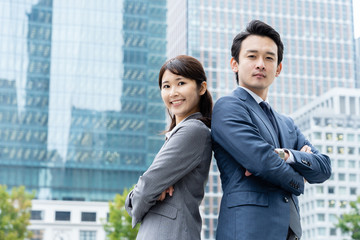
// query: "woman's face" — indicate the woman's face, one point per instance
point(181, 95)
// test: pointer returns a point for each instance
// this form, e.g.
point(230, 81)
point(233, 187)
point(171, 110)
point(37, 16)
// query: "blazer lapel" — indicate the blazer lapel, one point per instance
point(255, 107)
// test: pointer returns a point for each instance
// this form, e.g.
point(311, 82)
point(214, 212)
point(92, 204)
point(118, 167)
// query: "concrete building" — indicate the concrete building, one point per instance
point(332, 124)
point(68, 220)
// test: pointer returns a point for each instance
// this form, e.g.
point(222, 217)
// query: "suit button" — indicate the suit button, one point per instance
point(286, 199)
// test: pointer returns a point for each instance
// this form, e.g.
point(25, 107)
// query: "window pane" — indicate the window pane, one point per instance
point(62, 216)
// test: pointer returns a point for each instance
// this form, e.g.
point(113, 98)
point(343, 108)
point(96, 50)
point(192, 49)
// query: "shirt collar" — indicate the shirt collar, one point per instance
point(254, 95)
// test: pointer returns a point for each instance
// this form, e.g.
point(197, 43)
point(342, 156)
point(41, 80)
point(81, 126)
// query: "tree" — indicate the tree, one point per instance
point(119, 223)
point(15, 211)
point(350, 223)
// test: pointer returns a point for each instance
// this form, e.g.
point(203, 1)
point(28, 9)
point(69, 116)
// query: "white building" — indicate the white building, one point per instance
point(332, 123)
point(68, 220)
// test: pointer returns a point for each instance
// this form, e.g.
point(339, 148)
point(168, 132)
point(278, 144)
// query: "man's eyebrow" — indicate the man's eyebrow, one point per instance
point(256, 51)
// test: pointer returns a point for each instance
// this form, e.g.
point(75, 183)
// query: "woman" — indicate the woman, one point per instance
point(167, 196)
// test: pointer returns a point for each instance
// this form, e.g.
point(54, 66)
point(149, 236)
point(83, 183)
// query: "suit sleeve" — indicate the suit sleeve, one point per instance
point(314, 167)
point(180, 155)
point(234, 130)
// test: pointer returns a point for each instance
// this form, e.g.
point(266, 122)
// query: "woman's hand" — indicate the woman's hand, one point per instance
point(169, 190)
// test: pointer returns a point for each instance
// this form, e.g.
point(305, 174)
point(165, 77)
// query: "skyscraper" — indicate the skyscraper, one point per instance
point(80, 110)
point(318, 54)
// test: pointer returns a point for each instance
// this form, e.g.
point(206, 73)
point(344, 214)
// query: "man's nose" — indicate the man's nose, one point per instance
point(260, 64)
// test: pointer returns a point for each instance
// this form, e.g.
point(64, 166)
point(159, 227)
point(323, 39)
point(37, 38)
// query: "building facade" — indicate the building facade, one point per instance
point(80, 109)
point(68, 220)
point(332, 123)
point(318, 55)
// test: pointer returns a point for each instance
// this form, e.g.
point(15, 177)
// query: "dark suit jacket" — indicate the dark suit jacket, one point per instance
point(182, 162)
point(257, 207)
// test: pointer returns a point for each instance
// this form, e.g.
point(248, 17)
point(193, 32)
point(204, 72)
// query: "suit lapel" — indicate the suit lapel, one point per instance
point(255, 107)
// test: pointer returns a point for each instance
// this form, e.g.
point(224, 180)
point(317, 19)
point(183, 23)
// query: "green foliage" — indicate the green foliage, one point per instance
point(350, 223)
point(119, 224)
point(15, 210)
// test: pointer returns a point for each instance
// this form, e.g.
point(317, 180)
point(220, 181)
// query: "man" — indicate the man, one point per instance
point(263, 158)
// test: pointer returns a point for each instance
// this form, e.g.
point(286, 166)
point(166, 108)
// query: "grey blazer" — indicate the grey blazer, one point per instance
point(183, 162)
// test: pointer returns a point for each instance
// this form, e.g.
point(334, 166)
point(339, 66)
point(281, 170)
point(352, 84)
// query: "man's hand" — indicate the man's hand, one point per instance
point(306, 148)
point(169, 190)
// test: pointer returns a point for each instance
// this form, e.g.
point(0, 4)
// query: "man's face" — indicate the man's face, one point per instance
point(257, 64)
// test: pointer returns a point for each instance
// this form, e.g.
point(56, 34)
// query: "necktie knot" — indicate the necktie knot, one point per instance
point(265, 106)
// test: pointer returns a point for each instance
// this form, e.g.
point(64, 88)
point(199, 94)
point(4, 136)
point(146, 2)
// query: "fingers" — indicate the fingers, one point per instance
point(306, 148)
point(162, 196)
point(247, 173)
point(170, 190)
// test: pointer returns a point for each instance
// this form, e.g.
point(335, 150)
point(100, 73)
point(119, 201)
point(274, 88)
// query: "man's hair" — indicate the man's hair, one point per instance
point(257, 27)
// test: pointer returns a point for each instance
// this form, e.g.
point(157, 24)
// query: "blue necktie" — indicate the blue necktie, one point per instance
point(267, 109)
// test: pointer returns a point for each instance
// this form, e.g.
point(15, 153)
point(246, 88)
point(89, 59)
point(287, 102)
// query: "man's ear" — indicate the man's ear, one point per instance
point(234, 65)
point(203, 88)
point(278, 70)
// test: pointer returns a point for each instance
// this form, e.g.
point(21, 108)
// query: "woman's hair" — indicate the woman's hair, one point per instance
point(191, 68)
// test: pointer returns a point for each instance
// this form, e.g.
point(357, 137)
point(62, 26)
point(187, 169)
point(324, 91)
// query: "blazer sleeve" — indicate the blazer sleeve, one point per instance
point(181, 153)
point(233, 129)
point(314, 167)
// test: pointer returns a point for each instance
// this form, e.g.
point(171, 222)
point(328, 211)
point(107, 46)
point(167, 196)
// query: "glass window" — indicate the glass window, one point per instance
point(342, 190)
point(62, 216)
point(331, 190)
point(320, 203)
point(37, 215)
point(329, 136)
point(332, 203)
point(352, 177)
point(351, 150)
point(340, 150)
point(322, 231)
point(319, 189)
point(332, 231)
point(339, 137)
point(88, 217)
point(321, 217)
point(87, 235)
point(353, 191)
point(329, 149)
point(317, 135)
point(352, 163)
point(341, 176)
point(351, 137)
point(37, 234)
point(341, 163)
point(343, 203)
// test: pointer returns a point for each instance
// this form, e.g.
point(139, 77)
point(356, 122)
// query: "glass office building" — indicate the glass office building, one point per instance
point(80, 109)
point(318, 56)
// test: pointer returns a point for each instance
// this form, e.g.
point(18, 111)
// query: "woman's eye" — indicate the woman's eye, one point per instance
point(181, 83)
point(165, 86)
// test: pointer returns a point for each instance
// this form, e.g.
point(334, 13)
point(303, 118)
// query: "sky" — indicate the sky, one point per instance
point(356, 4)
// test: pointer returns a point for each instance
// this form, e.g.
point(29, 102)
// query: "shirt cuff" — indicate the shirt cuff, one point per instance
point(290, 159)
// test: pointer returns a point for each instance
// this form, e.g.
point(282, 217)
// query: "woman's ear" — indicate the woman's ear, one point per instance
point(203, 88)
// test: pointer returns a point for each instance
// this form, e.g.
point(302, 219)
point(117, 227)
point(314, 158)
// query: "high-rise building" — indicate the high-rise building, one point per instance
point(318, 55)
point(332, 123)
point(80, 109)
point(357, 53)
